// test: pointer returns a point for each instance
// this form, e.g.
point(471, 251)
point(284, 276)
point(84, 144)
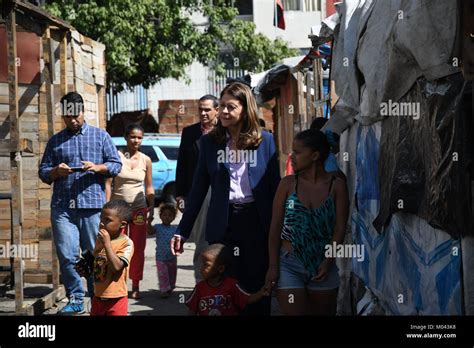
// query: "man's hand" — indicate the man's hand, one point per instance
point(63, 170)
point(177, 243)
point(180, 203)
point(89, 166)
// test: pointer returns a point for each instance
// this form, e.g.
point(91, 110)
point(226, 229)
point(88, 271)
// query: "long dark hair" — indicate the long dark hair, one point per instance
point(316, 141)
point(250, 132)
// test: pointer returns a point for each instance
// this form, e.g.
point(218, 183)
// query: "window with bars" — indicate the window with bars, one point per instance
point(244, 7)
point(291, 5)
point(312, 5)
point(302, 5)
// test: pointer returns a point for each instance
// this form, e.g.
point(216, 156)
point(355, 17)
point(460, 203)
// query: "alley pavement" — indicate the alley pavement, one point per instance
point(150, 302)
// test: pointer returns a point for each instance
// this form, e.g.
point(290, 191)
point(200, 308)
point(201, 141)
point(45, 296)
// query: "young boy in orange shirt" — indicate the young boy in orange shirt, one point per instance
point(112, 254)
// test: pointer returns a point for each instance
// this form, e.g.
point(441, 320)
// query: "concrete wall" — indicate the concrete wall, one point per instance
point(298, 23)
point(172, 89)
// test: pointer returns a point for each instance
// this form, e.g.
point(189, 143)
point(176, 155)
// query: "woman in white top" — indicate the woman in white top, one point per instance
point(128, 185)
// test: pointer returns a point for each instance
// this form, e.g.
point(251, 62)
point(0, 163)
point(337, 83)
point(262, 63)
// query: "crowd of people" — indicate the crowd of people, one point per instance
point(255, 233)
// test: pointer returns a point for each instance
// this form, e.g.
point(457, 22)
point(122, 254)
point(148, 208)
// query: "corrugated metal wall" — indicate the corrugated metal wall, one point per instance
point(127, 100)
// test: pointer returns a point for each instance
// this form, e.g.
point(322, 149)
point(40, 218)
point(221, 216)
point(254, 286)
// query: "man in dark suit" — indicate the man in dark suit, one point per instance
point(187, 163)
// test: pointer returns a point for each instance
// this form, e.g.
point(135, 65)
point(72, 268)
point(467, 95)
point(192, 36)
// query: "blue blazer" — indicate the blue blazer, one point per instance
point(264, 179)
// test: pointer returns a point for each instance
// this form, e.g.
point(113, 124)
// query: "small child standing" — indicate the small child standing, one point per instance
point(166, 263)
point(217, 294)
point(112, 254)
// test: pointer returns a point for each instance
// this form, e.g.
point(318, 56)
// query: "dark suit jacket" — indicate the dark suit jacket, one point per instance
point(264, 179)
point(187, 159)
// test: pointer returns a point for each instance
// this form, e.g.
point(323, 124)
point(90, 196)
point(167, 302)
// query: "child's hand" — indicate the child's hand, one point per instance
point(150, 230)
point(257, 296)
point(104, 237)
point(79, 267)
point(265, 291)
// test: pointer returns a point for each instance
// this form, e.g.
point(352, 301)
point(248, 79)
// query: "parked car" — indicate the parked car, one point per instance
point(163, 151)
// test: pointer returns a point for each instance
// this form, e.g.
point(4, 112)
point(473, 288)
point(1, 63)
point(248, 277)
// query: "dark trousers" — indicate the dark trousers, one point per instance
point(249, 245)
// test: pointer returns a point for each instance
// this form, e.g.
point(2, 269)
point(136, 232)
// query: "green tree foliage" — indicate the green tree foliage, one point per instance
point(148, 40)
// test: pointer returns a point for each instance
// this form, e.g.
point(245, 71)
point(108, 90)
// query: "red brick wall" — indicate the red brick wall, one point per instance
point(174, 115)
point(330, 9)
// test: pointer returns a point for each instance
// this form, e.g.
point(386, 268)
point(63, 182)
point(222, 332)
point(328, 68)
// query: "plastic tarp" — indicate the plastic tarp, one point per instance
point(424, 161)
point(412, 267)
point(388, 52)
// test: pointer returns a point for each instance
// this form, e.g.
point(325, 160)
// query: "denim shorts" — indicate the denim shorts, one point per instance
point(293, 275)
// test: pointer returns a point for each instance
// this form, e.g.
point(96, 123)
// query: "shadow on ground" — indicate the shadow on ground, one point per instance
point(151, 303)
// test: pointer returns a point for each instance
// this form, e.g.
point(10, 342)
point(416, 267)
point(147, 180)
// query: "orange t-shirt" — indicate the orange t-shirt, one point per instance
point(106, 283)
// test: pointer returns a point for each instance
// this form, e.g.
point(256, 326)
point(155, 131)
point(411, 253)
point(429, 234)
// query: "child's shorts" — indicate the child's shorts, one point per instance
point(293, 275)
point(110, 307)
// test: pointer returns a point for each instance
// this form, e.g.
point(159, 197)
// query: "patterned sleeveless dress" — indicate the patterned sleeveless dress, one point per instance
point(309, 230)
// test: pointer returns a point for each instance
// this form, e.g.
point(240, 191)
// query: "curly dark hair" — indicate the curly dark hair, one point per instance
point(170, 207)
point(123, 209)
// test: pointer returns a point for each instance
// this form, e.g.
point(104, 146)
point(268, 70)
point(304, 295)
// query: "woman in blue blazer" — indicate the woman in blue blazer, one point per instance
point(238, 160)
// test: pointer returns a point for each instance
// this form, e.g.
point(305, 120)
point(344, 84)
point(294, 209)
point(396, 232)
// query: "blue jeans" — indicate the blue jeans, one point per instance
point(74, 230)
point(293, 275)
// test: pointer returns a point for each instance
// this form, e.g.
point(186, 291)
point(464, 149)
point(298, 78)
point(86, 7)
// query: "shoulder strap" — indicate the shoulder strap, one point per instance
point(296, 184)
point(143, 158)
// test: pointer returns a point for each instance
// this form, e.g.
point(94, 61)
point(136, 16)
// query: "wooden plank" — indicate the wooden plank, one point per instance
point(101, 106)
point(4, 100)
point(88, 76)
point(75, 35)
point(31, 24)
point(16, 162)
point(301, 101)
point(99, 80)
point(309, 105)
point(63, 64)
point(320, 82)
point(334, 97)
point(27, 108)
point(48, 82)
point(5, 147)
point(79, 85)
point(90, 89)
point(46, 302)
point(37, 12)
point(317, 92)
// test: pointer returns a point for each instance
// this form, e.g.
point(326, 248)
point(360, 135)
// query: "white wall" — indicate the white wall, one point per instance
point(298, 27)
point(298, 23)
point(169, 89)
